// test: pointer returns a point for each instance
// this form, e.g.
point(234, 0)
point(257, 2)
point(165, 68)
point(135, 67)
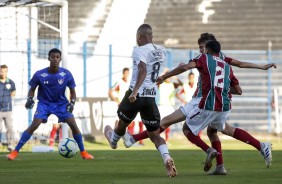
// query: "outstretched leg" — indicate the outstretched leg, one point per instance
point(242, 135)
point(24, 138)
point(175, 117)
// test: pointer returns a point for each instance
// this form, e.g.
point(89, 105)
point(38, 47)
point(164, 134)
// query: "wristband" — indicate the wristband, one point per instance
point(72, 101)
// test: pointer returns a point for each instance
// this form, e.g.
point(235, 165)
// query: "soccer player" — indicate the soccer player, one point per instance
point(180, 115)
point(217, 84)
point(52, 83)
point(147, 60)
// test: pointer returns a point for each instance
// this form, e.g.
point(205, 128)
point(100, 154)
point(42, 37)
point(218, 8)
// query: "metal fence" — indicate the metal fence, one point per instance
point(95, 73)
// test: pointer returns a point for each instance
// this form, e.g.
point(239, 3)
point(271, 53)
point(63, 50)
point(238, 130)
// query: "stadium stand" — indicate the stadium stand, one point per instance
point(81, 16)
point(86, 21)
point(240, 25)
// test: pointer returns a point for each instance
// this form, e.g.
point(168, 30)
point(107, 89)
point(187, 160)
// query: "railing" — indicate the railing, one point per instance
point(95, 72)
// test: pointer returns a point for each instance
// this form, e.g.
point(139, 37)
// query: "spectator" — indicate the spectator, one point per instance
point(7, 91)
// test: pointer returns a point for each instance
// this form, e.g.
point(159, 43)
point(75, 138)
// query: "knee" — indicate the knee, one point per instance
point(164, 122)
point(229, 130)
point(9, 128)
point(211, 132)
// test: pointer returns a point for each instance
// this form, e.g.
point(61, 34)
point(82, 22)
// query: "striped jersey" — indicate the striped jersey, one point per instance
point(198, 91)
point(216, 79)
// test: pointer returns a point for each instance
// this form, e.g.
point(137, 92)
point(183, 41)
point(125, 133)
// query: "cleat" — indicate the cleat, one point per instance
point(219, 170)
point(13, 155)
point(128, 140)
point(108, 131)
point(211, 154)
point(170, 167)
point(86, 155)
point(266, 152)
point(10, 148)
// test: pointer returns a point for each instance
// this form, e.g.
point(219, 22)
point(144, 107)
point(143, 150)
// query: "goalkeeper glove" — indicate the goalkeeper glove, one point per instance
point(70, 106)
point(29, 103)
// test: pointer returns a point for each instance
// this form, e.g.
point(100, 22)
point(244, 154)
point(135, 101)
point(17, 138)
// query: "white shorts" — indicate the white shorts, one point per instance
point(187, 108)
point(198, 119)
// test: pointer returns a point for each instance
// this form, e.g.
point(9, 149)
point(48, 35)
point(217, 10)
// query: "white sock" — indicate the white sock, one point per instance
point(164, 151)
point(115, 138)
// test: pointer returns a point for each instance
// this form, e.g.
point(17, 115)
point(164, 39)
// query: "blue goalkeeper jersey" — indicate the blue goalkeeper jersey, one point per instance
point(52, 87)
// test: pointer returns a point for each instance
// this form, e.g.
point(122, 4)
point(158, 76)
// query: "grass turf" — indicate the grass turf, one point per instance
point(140, 165)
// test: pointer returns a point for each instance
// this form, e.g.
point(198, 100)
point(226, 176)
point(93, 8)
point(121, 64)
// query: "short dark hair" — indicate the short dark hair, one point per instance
point(54, 50)
point(125, 69)
point(4, 66)
point(191, 73)
point(144, 28)
point(213, 46)
point(206, 37)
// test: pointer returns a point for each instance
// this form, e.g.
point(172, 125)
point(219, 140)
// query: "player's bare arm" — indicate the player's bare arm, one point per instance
point(242, 64)
point(142, 72)
point(72, 94)
point(31, 92)
point(178, 70)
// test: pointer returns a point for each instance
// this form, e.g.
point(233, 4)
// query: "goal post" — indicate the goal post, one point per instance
point(28, 30)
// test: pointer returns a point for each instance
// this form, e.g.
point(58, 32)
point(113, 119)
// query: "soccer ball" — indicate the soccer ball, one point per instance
point(68, 147)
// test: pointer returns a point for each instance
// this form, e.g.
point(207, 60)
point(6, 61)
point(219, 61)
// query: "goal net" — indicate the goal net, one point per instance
point(28, 30)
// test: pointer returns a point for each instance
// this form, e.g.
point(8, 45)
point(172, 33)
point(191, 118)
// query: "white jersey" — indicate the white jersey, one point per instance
point(154, 57)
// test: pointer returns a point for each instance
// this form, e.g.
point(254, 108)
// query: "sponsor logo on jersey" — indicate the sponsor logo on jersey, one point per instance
point(148, 92)
point(44, 74)
point(62, 74)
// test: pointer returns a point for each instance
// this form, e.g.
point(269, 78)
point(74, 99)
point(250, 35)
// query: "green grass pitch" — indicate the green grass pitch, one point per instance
point(142, 165)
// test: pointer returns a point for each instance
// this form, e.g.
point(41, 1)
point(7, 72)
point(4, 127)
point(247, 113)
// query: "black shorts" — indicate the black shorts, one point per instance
point(147, 107)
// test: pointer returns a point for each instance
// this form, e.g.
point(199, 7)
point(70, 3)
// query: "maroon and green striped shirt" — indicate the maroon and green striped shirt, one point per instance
point(216, 79)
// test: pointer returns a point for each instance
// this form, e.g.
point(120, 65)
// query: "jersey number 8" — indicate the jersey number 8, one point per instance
point(155, 71)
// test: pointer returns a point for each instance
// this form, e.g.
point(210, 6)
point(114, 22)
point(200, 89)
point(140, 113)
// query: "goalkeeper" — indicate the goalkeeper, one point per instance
point(52, 83)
